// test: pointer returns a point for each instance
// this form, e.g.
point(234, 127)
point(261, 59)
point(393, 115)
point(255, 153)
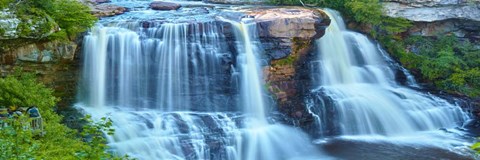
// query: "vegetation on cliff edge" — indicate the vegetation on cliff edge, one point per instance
point(58, 141)
point(47, 20)
point(449, 64)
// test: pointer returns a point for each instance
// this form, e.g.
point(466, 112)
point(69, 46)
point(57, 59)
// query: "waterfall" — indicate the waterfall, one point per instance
point(171, 94)
point(356, 85)
point(251, 90)
point(262, 140)
point(171, 67)
point(164, 87)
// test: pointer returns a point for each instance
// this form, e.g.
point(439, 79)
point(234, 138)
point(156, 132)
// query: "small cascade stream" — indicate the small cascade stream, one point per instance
point(361, 87)
point(356, 100)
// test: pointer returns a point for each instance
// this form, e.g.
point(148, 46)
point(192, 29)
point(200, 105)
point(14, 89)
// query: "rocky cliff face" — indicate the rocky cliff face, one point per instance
point(437, 17)
point(432, 18)
point(288, 35)
point(433, 10)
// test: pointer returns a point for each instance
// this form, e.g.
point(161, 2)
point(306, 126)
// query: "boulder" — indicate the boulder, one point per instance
point(290, 22)
point(278, 27)
point(105, 10)
point(159, 5)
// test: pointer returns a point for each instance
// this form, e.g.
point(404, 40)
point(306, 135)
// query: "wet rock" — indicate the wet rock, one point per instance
point(105, 10)
point(41, 53)
point(159, 5)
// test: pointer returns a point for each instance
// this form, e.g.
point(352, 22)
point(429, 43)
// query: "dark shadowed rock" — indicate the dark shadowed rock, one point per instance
point(159, 5)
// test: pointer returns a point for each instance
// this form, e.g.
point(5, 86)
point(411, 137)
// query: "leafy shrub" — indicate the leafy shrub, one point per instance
point(71, 16)
point(59, 141)
point(445, 61)
point(5, 3)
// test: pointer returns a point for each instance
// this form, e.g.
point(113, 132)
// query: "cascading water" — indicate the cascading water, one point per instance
point(357, 86)
point(261, 139)
point(150, 80)
point(160, 67)
point(170, 97)
point(173, 90)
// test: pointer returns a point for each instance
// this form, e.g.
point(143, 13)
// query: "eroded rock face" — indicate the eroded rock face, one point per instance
point(439, 17)
point(433, 11)
point(52, 51)
point(288, 35)
point(159, 5)
point(277, 27)
point(289, 81)
point(431, 3)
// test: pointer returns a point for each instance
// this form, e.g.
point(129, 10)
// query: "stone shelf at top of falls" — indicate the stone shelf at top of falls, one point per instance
point(285, 22)
point(277, 26)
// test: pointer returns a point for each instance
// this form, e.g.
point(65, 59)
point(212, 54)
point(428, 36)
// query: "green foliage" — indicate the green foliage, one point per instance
point(23, 90)
point(17, 141)
point(365, 11)
point(59, 141)
point(5, 3)
point(289, 60)
point(93, 133)
point(394, 26)
point(476, 147)
point(449, 64)
point(71, 16)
